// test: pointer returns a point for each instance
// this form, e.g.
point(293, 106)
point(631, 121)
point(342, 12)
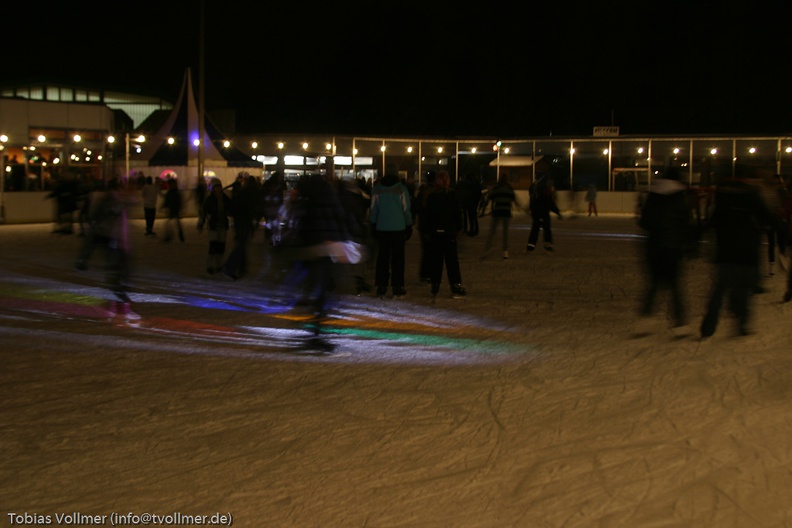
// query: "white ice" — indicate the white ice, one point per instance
point(540, 400)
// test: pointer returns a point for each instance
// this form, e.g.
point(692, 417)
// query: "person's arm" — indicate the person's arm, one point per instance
point(407, 207)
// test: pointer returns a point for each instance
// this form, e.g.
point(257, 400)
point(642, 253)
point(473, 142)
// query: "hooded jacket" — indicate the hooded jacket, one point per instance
point(740, 218)
point(666, 215)
point(390, 205)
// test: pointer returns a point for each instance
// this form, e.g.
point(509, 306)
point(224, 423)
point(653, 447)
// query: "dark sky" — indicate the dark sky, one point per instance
point(491, 69)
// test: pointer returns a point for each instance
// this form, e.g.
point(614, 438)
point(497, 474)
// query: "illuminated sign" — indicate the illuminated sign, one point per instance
point(606, 131)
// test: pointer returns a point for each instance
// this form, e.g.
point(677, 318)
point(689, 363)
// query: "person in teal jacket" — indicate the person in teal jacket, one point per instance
point(391, 224)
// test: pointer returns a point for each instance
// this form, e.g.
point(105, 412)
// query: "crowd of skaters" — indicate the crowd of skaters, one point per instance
point(380, 216)
point(747, 211)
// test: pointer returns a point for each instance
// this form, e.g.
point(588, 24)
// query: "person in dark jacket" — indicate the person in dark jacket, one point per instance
point(214, 215)
point(173, 203)
point(740, 218)
point(542, 195)
point(777, 231)
point(65, 195)
point(356, 203)
point(441, 220)
point(274, 193)
point(244, 205)
point(503, 199)
point(150, 194)
point(666, 218)
point(468, 191)
point(786, 221)
point(418, 206)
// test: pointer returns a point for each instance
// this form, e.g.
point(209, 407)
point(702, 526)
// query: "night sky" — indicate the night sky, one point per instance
point(509, 69)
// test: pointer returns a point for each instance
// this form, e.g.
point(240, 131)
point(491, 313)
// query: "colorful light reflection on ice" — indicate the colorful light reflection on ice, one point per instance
point(253, 324)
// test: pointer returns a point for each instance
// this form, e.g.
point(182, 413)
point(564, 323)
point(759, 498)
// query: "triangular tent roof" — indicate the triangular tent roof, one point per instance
point(182, 124)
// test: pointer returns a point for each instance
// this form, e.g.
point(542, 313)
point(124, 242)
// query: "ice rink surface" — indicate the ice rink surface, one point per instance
point(539, 400)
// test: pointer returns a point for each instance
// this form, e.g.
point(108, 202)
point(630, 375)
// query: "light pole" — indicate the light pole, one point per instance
point(140, 139)
point(201, 112)
point(497, 148)
point(3, 139)
point(126, 157)
point(571, 162)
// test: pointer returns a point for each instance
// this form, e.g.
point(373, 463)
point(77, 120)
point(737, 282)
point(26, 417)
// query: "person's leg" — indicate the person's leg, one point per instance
point(474, 223)
point(148, 212)
point(236, 264)
point(491, 234)
point(382, 273)
point(217, 247)
point(465, 222)
point(117, 274)
point(533, 237)
point(679, 311)
point(710, 321)
point(451, 257)
point(231, 265)
point(86, 249)
point(168, 229)
point(243, 264)
point(435, 263)
point(547, 229)
point(505, 222)
point(398, 263)
point(321, 270)
point(424, 273)
point(652, 282)
point(740, 294)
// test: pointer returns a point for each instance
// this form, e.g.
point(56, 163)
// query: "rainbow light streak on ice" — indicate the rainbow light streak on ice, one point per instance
point(215, 322)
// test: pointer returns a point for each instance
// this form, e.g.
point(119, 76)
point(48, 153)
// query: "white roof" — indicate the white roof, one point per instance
point(514, 161)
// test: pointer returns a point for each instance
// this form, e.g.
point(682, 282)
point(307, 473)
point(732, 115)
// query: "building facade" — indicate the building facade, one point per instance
point(90, 135)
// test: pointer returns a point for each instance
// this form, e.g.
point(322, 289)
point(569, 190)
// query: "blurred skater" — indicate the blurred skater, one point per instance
point(355, 202)
point(110, 232)
point(740, 218)
point(65, 195)
point(667, 219)
point(323, 221)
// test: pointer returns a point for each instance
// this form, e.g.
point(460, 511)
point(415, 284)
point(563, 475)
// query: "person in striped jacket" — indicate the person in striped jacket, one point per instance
point(502, 198)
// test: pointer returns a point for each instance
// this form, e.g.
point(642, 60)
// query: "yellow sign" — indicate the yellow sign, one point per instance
point(606, 131)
